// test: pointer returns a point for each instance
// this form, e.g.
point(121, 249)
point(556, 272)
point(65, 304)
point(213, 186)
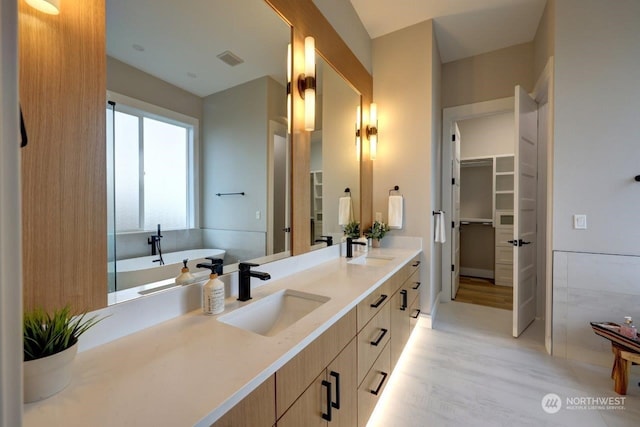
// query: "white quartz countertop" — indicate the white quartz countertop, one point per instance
point(192, 369)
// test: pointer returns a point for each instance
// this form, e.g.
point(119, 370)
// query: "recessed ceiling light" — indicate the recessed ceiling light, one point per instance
point(230, 58)
point(192, 75)
point(138, 47)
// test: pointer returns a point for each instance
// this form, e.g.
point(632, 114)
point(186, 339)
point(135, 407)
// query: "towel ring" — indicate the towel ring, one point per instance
point(395, 188)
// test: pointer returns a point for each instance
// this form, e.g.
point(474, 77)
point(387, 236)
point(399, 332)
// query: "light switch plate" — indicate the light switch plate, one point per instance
point(258, 215)
point(580, 222)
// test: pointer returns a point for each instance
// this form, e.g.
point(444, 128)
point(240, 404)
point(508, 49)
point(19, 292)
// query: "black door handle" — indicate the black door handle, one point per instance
point(336, 375)
point(327, 416)
point(380, 301)
point(376, 342)
point(416, 286)
point(377, 390)
point(287, 229)
point(404, 299)
point(519, 242)
point(416, 264)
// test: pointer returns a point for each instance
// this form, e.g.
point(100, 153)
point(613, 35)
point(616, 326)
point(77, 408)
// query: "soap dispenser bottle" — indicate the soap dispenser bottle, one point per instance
point(185, 277)
point(213, 290)
point(628, 329)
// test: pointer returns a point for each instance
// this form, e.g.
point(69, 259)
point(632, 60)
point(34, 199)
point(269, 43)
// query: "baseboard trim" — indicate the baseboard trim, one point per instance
point(477, 272)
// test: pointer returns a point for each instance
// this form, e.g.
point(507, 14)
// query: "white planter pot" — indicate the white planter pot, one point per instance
point(47, 376)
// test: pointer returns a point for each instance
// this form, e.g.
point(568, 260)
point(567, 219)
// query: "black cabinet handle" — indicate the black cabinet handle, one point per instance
point(336, 375)
point(380, 301)
point(417, 313)
point(376, 342)
point(416, 286)
point(416, 264)
point(377, 390)
point(404, 299)
point(327, 416)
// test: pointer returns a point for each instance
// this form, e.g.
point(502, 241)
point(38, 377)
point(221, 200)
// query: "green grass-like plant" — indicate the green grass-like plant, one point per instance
point(47, 334)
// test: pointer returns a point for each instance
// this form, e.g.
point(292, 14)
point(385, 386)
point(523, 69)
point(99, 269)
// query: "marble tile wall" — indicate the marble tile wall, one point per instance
point(591, 287)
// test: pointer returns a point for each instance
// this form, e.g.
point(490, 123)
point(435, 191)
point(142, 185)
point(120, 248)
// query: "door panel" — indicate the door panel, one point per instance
point(455, 216)
point(524, 251)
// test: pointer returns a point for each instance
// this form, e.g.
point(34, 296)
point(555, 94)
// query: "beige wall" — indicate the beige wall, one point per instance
point(487, 76)
point(487, 136)
point(543, 43)
point(403, 86)
point(127, 80)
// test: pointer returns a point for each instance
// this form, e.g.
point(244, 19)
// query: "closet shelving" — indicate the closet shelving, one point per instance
point(316, 197)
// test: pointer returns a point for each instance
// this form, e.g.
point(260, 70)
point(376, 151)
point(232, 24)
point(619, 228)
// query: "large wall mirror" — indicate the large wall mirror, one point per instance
point(335, 157)
point(198, 150)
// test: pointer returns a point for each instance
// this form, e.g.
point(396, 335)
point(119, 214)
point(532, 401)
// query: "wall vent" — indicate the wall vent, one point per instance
point(230, 58)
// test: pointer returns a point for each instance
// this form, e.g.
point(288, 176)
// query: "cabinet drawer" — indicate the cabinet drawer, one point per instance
point(374, 302)
point(504, 254)
point(372, 339)
point(257, 409)
point(294, 377)
point(412, 285)
point(504, 274)
point(373, 385)
point(414, 313)
point(503, 235)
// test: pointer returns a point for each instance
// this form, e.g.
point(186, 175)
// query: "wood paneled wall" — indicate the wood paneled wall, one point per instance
point(307, 20)
point(62, 62)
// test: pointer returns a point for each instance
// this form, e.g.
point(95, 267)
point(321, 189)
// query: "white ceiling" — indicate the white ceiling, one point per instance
point(463, 27)
point(180, 40)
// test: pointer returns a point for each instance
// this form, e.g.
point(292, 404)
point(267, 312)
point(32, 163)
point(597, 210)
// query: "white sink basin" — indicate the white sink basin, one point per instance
point(370, 260)
point(274, 313)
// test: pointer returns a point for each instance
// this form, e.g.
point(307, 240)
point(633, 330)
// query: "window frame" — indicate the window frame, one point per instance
point(142, 109)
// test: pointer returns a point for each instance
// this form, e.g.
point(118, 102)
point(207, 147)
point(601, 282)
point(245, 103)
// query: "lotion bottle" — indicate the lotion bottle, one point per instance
point(213, 290)
point(185, 277)
point(628, 329)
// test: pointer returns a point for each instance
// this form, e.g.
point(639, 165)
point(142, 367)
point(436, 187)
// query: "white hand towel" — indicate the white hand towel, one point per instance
point(395, 212)
point(440, 236)
point(344, 211)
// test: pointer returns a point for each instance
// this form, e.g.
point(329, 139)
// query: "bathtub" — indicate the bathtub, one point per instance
point(142, 270)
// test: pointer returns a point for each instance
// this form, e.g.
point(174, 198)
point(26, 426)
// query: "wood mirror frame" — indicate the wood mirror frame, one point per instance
point(64, 165)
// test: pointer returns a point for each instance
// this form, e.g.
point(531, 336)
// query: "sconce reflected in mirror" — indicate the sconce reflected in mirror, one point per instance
point(289, 64)
point(358, 127)
point(50, 7)
point(307, 83)
point(372, 131)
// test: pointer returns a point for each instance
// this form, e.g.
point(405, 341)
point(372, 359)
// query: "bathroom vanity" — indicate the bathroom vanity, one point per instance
point(325, 356)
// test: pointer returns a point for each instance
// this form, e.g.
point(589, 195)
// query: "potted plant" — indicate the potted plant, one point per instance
point(50, 344)
point(352, 229)
point(376, 232)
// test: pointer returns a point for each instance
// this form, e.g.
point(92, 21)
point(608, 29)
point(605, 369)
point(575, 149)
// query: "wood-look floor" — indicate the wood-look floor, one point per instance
point(480, 291)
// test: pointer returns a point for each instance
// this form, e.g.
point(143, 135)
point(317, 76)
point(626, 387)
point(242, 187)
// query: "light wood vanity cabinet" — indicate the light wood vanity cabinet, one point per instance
point(327, 365)
point(258, 409)
point(403, 306)
point(373, 385)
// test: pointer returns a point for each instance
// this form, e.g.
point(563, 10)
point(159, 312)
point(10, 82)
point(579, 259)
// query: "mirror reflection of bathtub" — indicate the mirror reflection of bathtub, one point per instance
point(138, 271)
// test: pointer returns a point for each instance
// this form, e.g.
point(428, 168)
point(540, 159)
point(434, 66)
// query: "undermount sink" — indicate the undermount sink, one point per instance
point(370, 260)
point(274, 313)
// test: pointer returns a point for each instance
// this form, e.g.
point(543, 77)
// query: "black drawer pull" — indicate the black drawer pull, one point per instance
point(417, 313)
point(416, 264)
point(327, 416)
point(377, 390)
point(380, 301)
point(336, 375)
point(376, 342)
point(404, 299)
point(416, 286)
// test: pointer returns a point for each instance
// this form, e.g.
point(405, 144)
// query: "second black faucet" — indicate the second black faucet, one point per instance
point(244, 279)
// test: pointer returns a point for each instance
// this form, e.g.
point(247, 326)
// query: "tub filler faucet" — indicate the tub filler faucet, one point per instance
point(156, 248)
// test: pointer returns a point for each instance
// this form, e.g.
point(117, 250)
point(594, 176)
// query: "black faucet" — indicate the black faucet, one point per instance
point(154, 241)
point(327, 239)
point(215, 266)
point(244, 279)
point(350, 244)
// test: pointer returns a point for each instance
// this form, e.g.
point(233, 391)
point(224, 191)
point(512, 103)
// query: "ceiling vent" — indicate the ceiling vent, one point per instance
point(230, 58)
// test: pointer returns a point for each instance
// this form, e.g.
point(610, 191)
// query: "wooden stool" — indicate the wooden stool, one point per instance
point(621, 367)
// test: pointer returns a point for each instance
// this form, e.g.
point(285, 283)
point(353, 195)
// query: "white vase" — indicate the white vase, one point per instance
point(46, 376)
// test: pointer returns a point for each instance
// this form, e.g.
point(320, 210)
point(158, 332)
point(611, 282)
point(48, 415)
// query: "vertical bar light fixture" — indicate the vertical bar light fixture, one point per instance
point(358, 126)
point(372, 131)
point(51, 7)
point(307, 83)
point(289, 64)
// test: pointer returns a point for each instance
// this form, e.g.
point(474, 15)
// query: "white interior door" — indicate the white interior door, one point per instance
point(524, 250)
point(455, 215)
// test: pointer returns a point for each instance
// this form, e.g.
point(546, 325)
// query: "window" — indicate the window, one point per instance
point(153, 171)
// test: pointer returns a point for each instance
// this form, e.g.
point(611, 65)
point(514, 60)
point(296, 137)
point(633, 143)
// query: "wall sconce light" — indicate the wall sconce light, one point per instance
point(51, 7)
point(289, 87)
point(307, 83)
point(372, 131)
point(358, 126)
